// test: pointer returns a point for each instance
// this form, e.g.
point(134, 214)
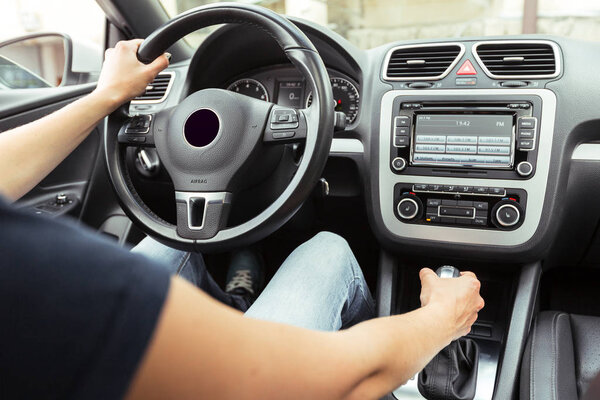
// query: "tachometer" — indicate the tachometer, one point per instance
point(345, 96)
point(250, 87)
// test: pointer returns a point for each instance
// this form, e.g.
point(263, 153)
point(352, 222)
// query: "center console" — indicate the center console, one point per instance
point(465, 166)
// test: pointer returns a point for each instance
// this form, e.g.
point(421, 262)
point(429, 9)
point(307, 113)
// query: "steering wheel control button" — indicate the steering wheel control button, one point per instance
point(408, 209)
point(283, 135)
point(139, 124)
point(398, 163)
point(284, 119)
point(202, 127)
point(524, 169)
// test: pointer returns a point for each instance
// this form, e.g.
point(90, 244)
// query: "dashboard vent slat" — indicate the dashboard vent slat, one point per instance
point(517, 59)
point(422, 62)
point(158, 90)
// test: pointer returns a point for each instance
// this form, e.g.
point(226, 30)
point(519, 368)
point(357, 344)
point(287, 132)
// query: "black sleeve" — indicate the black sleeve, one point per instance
point(77, 312)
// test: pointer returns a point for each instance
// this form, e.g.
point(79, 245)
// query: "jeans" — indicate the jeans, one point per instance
point(319, 286)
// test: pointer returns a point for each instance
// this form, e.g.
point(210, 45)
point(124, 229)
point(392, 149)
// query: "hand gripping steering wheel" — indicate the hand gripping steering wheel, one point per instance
point(213, 136)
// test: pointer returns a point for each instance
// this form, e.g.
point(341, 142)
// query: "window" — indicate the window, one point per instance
point(370, 23)
point(40, 61)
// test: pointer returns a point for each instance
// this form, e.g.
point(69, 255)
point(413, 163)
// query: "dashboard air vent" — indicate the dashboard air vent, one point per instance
point(158, 90)
point(422, 62)
point(518, 59)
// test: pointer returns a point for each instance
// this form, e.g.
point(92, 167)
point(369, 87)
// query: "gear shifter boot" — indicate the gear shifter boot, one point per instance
point(452, 374)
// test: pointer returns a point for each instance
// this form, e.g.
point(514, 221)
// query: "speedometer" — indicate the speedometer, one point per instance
point(345, 96)
point(250, 87)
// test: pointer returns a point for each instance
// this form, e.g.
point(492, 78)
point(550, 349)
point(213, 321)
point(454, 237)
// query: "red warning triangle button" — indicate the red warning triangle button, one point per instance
point(466, 69)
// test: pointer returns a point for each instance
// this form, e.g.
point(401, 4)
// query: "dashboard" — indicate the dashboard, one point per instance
point(286, 87)
point(479, 147)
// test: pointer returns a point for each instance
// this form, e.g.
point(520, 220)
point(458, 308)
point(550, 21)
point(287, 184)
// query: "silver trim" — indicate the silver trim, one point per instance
point(535, 186)
point(169, 86)
point(347, 146)
point(411, 215)
point(209, 198)
point(426, 78)
point(587, 152)
point(511, 77)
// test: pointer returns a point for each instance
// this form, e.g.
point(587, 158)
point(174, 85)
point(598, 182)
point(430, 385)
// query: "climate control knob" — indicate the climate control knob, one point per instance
point(409, 207)
point(507, 214)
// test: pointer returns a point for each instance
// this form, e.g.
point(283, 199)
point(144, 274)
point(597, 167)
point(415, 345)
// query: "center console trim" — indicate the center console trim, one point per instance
point(535, 187)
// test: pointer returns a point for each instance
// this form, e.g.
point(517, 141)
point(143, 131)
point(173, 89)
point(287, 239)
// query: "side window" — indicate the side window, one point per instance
point(42, 45)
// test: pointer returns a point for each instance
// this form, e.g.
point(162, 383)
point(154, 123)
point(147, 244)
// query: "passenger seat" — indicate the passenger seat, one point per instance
point(562, 357)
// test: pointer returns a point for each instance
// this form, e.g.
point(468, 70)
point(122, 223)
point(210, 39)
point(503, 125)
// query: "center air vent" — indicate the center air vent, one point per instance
point(518, 59)
point(157, 91)
point(422, 62)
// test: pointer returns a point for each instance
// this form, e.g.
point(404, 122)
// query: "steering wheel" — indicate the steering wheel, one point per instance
point(213, 137)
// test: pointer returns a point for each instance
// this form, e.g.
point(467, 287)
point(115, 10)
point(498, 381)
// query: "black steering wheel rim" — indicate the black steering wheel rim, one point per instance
point(304, 56)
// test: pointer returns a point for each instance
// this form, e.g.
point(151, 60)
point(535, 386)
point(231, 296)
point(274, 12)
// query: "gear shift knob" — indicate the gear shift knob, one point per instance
point(447, 271)
point(452, 374)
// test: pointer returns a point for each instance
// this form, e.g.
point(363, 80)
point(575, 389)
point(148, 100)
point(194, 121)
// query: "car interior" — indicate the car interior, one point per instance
point(481, 153)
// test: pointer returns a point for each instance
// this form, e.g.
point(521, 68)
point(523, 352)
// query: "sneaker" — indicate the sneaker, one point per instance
point(246, 274)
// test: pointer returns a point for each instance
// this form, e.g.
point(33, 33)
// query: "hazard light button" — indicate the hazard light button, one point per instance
point(467, 69)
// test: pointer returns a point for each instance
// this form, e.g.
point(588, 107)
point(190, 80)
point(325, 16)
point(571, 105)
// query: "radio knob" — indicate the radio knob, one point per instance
point(524, 168)
point(409, 207)
point(399, 164)
point(507, 214)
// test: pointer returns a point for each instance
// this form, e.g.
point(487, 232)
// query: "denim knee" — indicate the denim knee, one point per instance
point(332, 247)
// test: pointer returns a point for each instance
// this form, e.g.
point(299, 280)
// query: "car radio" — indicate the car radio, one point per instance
point(483, 139)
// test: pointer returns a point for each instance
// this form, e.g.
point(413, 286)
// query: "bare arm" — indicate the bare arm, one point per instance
point(32, 151)
point(203, 349)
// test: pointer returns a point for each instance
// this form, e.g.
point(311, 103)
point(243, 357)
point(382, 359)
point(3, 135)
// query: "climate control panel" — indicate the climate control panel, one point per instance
point(464, 206)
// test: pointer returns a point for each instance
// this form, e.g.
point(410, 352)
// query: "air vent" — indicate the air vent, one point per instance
point(422, 62)
point(158, 90)
point(518, 59)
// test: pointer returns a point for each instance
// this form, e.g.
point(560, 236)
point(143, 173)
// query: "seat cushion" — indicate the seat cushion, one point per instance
point(561, 358)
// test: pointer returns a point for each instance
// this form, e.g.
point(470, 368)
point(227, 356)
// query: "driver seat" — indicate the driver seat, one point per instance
point(562, 357)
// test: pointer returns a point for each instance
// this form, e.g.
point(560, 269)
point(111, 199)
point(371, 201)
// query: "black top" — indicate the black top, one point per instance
point(76, 311)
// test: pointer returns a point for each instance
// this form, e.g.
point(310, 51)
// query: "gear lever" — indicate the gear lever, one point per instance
point(452, 374)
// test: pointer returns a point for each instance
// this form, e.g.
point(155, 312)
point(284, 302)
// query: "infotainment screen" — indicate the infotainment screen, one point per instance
point(482, 141)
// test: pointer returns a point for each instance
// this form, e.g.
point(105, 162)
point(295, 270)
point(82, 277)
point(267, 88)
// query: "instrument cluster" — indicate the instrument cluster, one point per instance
point(285, 89)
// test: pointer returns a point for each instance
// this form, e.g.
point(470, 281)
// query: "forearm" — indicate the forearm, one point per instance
point(392, 350)
point(32, 151)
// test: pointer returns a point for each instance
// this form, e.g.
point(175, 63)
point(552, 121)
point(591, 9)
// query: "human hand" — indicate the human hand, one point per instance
point(456, 298)
point(123, 76)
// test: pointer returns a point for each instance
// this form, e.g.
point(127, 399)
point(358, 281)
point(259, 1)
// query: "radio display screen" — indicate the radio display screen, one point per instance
point(463, 140)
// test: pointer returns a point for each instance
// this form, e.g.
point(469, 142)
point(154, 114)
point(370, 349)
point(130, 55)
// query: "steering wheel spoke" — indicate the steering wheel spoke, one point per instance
point(285, 125)
point(201, 215)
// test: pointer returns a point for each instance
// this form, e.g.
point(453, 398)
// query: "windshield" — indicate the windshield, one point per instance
point(370, 23)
